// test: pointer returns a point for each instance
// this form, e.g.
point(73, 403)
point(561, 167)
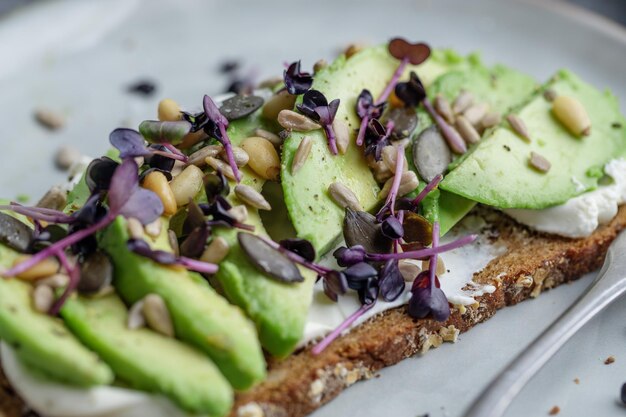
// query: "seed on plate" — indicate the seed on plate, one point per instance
point(462, 102)
point(319, 65)
point(157, 315)
point(441, 266)
point(251, 197)
point(187, 184)
point(96, 273)
point(135, 316)
point(408, 183)
point(550, 94)
point(153, 229)
point(264, 159)
point(216, 251)
point(219, 165)
point(49, 119)
point(173, 241)
point(43, 269)
point(267, 259)
point(539, 162)
point(443, 107)
point(169, 110)
point(467, 130)
point(156, 182)
point(302, 153)
point(240, 106)
point(390, 155)
point(475, 113)
point(431, 154)
point(408, 269)
point(342, 135)
point(55, 198)
point(277, 103)
point(240, 155)
point(291, 120)
point(272, 137)
point(352, 49)
point(198, 158)
point(66, 156)
point(135, 228)
point(491, 119)
point(518, 126)
point(14, 233)
point(343, 196)
point(55, 281)
point(572, 114)
point(43, 298)
point(239, 213)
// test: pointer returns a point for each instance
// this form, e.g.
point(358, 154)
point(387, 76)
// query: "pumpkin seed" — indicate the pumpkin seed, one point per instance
point(443, 107)
point(240, 106)
point(417, 229)
point(198, 158)
point(302, 153)
point(518, 126)
point(43, 298)
point(572, 114)
point(549, 94)
point(343, 196)
point(14, 233)
point(431, 154)
point(361, 228)
point(49, 119)
point(268, 260)
point(342, 135)
point(55, 198)
point(272, 137)
point(136, 319)
point(96, 272)
point(157, 315)
point(467, 130)
point(187, 185)
point(404, 122)
point(251, 197)
point(539, 162)
point(216, 251)
point(475, 113)
point(291, 120)
point(462, 102)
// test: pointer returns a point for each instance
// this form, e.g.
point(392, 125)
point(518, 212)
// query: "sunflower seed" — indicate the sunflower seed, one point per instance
point(272, 137)
point(219, 165)
point(14, 233)
point(55, 281)
point(408, 269)
point(408, 183)
point(462, 102)
point(302, 153)
point(270, 82)
point(443, 107)
point(216, 251)
point(343, 196)
point(153, 229)
point(467, 130)
point(157, 315)
point(252, 197)
point(66, 156)
point(572, 114)
point(491, 119)
point(539, 162)
point(240, 155)
point(49, 119)
point(135, 318)
point(342, 135)
point(43, 298)
point(173, 241)
point(198, 158)
point(239, 213)
point(55, 198)
point(291, 120)
point(135, 228)
point(390, 155)
point(476, 112)
point(518, 126)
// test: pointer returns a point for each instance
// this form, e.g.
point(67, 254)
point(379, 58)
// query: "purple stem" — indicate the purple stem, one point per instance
point(74, 274)
point(41, 214)
point(170, 155)
point(422, 253)
point(360, 137)
point(397, 177)
point(396, 242)
point(317, 349)
point(294, 257)
point(198, 266)
point(431, 186)
point(432, 265)
point(392, 83)
point(455, 141)
point(229, 152)
point(176, 151)
point(332, 140)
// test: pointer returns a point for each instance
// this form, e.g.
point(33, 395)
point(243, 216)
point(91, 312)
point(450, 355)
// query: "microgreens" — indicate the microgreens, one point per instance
point(297, 82)
point(166, 132)
point(141, 247)
point(367, 110)
point(315, 106)
point(377, 137)
point(216, 127)
point(39, 213)
point(131, 144)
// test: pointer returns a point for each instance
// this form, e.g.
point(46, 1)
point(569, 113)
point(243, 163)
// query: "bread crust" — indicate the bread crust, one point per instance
point(301, 383)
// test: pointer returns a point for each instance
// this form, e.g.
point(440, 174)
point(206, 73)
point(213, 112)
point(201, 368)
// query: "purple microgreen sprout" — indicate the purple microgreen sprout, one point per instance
point(317, 349)
point(315, 106)
point(131, 144)
point(429, 187)
point(39, 214)
point(141, 247)
point(396, 242)
point(377, 137)
point(390, 281)
point(217, 119)
point(454, 139)
point(432, 264)
point(73, 271)
point(367, 110)
point(297, 82)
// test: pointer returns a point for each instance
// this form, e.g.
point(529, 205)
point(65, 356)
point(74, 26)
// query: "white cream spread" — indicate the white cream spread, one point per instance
point(581, 215)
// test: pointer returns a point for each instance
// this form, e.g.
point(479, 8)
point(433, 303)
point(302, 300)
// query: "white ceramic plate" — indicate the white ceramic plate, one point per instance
point(77, 57)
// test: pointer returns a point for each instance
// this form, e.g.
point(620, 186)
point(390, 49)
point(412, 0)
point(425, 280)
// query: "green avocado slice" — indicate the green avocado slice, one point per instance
point(147, 360)
point(497, 172)
point(314, 214)
point(42, 341)
point(201, 316)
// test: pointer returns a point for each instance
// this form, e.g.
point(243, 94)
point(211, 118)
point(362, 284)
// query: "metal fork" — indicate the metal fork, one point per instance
point(606, 288)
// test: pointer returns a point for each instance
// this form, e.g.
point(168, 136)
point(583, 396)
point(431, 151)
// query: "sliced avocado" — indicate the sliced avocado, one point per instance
point(497, 172)
point(201, 316)
point(500, 87)
point(146, 360)
point(42, 341)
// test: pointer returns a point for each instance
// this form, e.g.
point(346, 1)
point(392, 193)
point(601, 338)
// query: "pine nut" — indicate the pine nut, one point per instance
point(475, 113)
point(291, 120)
point(342, 135)
point(264, 159)
point(408, 269)
point(136, 319)
point(343, 196)
point(219, 165)
point(169, 110)
point(154, 229)
point(441, 267)
point(572, 114)
point(251, 197)
point(408, 183)
point(66, 156)
point(43, 298)
point(135, 228)
point(443, 107)
point(240, 155)
point(187, 184)
point(277, 103)
point(302, 153)
point(49, 119)
point(157, 315)
point(55, 199)
point(490, 120)
point(466, 130)
point(198, 158)
point(539, 162)
point(272, 137)
point(55, 281)
point(319, 65)
point(216, 251)
point(389, 156)
point(239, 213)
point(157, 183)
point(43, 269)
point(462, 102)
point(352, 49)
point(173, 241)
point(518, 126)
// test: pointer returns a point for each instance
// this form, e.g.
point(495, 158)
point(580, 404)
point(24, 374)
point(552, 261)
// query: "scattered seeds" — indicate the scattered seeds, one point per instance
point(135, 228)
point(153, 229)
point(550, 94)
point(192, 138)
point(240, 155)
point(491, 119)
point(361, 228)
point(417, 229)
point(554, 410)
point(157, 315)
point(43, 269)
point(277, 103)
point(55, 198)
point(14, 233)
point(96, 273)
point(187, 184)
point(462, 102)
point(343, 196)
point(431, 154)
point(404, 122)
point(173, 241)
point(198, 158)
point(319, 65)
point(49, 119)
point(239, 213)
point(216, 251)
point(408, 183)
point(267, 259)
point(264, 159)
point(221, 166)
point(55, 281)
point(408, 269)
point(342, 135)
point(539, 162)
point(572, 114)
point(252, 197)
point(66, 156)
point(43, 298)
point(272, 137)
point(240, 106)
point(301, 155)
point(518, 126)
point(475, 113)
point(352, 49)
point(441, 267)
point(169, 110)
point(443, 107)
point(291, 120)
point(136, 319)
point(389, 156)
point(609, 360)
point(156, 182)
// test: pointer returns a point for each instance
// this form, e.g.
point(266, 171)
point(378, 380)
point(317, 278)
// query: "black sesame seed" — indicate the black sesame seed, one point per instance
point(616, 125)
point(507, 147)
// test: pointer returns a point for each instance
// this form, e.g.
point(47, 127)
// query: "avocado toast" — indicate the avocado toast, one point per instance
point(410, 155)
